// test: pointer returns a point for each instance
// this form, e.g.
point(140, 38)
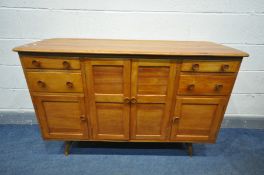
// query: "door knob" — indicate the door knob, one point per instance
point(126, 100)
point(83, 118)
point(133, 100)
point(175, 118)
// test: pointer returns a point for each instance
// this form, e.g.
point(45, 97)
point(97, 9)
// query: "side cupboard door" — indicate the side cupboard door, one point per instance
point(108, 83)
point(152, 83)
point(62, 116)
point(197, 118)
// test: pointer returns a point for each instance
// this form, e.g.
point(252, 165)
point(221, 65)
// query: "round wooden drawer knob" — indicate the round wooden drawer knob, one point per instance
point(69, 84)
point(41, 84)
point(218, 87)
point(191, 87)
point(66, 65)
point(35, 63)
point(195, 67)
point(225, 67)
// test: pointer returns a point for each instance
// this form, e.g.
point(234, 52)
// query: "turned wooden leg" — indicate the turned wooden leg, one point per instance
point(67, 147)
point(190, 149)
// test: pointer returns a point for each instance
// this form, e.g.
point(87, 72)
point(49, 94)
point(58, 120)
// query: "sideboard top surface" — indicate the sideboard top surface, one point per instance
point(130, 47)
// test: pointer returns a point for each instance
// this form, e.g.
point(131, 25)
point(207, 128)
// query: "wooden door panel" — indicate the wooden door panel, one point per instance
point(108, 79)
point(196, 118)
point(148, 120)
point(62, 116)
point(152, 80)
point(152, 85)
point(112, 121)
point(108, 86)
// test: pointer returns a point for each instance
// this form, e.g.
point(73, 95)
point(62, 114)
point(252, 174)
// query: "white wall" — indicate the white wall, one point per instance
point(236, 23)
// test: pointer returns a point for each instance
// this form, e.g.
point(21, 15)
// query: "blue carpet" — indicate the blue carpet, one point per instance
point(237, 152)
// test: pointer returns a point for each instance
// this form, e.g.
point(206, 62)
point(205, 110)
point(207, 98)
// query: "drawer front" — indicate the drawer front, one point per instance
point(205, 84)
point(54, 82)
point(210, 66)
point(50, 63)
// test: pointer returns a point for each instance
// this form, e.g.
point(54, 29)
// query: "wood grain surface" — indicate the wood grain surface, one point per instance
point(130, 47)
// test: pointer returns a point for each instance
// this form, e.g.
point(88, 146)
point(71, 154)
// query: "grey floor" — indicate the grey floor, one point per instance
point(237, 152)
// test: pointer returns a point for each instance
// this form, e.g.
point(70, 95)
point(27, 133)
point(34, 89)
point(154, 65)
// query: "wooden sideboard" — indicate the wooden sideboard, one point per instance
point(129, 90)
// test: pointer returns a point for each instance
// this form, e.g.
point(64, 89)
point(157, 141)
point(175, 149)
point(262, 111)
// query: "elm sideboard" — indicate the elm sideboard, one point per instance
point(129, 90)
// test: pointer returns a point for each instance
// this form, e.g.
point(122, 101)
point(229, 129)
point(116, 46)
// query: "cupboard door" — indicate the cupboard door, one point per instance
point(197, 119)
point(151, 93)
point(62, 117)
point(109, 93)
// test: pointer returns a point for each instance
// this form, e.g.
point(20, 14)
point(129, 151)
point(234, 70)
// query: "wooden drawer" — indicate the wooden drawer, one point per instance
point(49, 63)
point(54, 82)
point(210, 66)
point(205, 84)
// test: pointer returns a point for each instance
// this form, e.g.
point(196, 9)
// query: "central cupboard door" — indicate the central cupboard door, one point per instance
point(151, 92)
point(109, 92)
